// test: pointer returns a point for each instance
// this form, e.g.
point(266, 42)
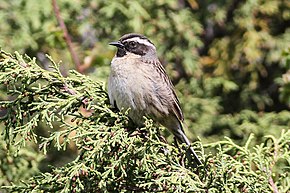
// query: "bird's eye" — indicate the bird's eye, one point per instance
point(133, 44)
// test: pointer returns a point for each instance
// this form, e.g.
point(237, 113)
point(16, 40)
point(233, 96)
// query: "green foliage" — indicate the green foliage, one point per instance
point(25, 24)
point(285, 80)
point(250, 47)
point(228, 59)
point(41, 96)
point(20, 167)
point(114, 158)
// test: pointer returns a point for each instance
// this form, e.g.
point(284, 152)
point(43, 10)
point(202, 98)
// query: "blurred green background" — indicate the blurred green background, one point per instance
point(229, 60)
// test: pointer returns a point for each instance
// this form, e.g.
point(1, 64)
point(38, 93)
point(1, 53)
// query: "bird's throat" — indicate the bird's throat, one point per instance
point(120, 52)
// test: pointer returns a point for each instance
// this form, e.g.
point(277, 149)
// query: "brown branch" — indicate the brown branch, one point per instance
point(273, 185)
point(66, 37)
point(270, 180)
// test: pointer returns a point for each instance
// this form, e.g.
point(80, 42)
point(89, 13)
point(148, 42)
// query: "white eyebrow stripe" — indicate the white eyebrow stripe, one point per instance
point(141, 41)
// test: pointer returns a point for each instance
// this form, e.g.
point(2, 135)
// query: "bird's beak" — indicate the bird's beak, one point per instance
point(117, 44)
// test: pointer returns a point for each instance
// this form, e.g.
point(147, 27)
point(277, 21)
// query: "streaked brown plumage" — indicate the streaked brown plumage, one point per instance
point(138, 81)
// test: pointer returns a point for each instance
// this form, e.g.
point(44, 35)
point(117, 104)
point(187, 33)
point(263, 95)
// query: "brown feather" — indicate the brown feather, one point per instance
point(175, 104)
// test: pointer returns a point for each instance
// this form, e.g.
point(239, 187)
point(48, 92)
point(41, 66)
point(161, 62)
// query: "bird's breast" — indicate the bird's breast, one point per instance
point(127, 84)
point(136, 85)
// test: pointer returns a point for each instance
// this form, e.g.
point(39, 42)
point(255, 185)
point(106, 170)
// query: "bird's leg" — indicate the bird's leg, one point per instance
point(182, 157)
point(176, 143)
point(162, 139)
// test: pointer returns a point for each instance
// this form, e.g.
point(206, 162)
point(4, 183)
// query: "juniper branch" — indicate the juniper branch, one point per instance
point(112, 157)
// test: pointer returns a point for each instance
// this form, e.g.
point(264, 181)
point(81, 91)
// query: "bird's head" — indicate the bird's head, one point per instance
point(136, 44)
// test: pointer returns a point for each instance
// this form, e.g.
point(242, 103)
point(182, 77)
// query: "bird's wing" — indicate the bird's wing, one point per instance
point(110, 92)
point(164, 78)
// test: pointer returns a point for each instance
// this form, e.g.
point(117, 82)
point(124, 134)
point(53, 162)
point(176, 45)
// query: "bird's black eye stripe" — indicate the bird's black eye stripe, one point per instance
point(133, 44)
point(135, 47)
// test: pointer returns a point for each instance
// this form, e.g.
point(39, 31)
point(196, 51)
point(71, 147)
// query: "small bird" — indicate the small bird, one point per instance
point(139, 82)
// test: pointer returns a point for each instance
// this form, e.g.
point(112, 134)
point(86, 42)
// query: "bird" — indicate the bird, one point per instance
point(139, 82)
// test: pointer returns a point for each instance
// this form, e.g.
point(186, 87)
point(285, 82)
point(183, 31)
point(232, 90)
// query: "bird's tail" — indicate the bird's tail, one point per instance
point(190, 152)
point(175, 126)
point(181, 137)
